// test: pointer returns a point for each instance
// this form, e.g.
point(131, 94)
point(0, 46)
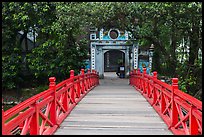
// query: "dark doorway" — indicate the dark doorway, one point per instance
point(112, 59)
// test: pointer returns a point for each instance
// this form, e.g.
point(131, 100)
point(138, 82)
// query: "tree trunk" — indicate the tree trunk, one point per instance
point(193, 50)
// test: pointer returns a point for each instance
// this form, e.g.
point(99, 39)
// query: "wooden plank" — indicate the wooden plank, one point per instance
point(113, 108)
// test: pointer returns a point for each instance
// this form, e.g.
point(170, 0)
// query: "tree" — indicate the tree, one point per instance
point(174, 28)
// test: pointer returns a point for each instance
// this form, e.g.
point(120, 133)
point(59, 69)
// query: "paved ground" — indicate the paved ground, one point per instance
point(113, 108)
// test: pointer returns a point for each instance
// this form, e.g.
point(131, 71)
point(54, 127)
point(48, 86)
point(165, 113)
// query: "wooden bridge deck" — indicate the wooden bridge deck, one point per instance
point(113, 108)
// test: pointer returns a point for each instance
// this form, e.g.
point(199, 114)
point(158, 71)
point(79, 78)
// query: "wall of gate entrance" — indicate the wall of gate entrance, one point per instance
point(98, 58)
point(113, 59)
point(104, 41)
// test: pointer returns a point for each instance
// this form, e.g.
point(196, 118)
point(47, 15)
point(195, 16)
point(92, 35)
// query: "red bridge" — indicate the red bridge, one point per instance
point(125, 111)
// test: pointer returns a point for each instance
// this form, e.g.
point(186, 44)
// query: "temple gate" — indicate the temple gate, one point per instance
point(111, 47)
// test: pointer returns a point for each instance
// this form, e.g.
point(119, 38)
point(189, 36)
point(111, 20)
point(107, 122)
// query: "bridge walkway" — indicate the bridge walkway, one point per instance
point(113, 108)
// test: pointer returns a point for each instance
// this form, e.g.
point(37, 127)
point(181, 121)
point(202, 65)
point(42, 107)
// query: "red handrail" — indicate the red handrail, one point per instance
point(43, 113)
point(181, 112)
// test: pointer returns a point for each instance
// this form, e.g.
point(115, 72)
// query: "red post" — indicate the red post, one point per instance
point(52, 82)
point(137, 81)
point(163, 103)
point(34, 125)
point(53, 115)
point(82, 72)
point(174, 113)
point(154, 91)
point(72, 93)
point(144, 71)
point(88, 71)
point(92, 79)
point(144, 82)
point(134, 71)
point(155, 75)
point(193, 125)
point(138, 70)
point(83, 80)
point(89, 81)
point(71, 73)
point(148, 87)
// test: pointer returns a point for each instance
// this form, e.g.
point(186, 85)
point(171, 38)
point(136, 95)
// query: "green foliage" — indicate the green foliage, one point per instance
point(10, 70)
point(173, 27)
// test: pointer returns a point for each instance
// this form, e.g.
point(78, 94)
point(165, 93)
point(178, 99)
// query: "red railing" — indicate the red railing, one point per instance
point(43, 113)
point(181, 112)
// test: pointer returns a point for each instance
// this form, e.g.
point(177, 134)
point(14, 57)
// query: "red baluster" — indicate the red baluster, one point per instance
point(193, 125)
point(174, 114)
point(138, 70)
point(72, 93)
point(144, 81)
point(134, 71)
point(154, 91)
point(83, 81)
point(155, 75)
point(34, 125)
point(144, 71)
point(71, 73)
point(88, 75)
point(138, 80)
point(53, 115)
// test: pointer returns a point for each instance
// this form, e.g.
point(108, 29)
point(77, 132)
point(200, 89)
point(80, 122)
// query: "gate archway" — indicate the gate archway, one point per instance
point(112, 59)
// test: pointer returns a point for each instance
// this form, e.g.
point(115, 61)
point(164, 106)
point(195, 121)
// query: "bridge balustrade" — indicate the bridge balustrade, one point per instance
point(181, 112)
point(43, 113)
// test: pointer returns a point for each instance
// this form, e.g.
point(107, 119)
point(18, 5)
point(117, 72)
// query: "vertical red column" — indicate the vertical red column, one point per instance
point(82, 72)
point(148, 87)
point(72, 93)
point(77, 86)
point(138, 70)
point(162, 103)
point(144, 71)
point(144, 82)
point(53, 111)
point(174, 113)
point(134, 71)
point(89, 84)
point(83, 80)
point(133, 77)
point(138, 80)
point(34, 125)
point(193, 125)
point(154, 91)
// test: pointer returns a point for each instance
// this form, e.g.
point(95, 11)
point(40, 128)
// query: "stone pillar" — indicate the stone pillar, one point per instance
point(93, 62)
point(99, 59)
point(127, 62)
point(135, 56)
